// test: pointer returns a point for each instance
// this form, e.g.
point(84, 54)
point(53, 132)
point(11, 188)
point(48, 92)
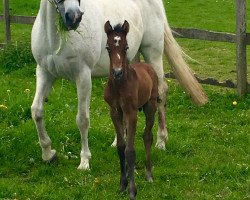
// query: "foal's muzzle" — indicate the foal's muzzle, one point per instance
point(118, 74)
point(73, 18)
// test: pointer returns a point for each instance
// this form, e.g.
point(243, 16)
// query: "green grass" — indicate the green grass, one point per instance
point(207, 156)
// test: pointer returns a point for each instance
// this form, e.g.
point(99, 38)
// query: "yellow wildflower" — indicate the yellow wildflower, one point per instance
point(3, 107)
point(234, 103)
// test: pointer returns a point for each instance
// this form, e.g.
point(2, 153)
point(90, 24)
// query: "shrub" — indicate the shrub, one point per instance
point(15, 56)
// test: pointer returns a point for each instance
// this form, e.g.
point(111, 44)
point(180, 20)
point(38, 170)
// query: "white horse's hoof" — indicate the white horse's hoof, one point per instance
point(49, 155)
point(54, 159)
point(84, 166)
point(160, 145)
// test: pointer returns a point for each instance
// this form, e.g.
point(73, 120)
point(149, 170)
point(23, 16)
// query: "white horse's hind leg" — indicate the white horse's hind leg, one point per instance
point(114, 144)
point(162, 134)
point(44, 83)
point(82, 118)
point(154, 56)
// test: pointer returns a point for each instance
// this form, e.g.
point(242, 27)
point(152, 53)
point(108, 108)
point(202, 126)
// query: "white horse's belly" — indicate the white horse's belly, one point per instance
point(101, 68)
point(61, 67)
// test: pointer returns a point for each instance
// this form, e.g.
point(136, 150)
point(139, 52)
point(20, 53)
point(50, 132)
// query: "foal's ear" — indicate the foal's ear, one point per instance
point(107, 27)
point(125, 26)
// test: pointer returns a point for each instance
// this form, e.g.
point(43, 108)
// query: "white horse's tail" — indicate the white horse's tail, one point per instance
point(180, 68)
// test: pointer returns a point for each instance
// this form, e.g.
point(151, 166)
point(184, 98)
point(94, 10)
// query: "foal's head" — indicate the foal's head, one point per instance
point(117, 47)
point(70, 12)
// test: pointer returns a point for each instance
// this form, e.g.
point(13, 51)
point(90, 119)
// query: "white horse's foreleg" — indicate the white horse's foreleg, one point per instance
point(154, 56)
point(82, 118)
point(44, 83)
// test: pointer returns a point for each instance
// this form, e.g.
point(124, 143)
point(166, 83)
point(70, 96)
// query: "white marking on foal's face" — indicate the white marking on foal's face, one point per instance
point(117, 39)
point(118, 56)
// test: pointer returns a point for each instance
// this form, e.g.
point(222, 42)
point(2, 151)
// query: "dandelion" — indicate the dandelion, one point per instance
point(234, 103)
point(3, 107)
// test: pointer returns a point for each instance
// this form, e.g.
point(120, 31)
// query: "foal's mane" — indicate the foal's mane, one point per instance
point(118, 28)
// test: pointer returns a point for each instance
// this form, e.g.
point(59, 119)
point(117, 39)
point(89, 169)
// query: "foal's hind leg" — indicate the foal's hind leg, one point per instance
point(149, 111)
point(83, 83)
point(44, 83)
point(154, 56)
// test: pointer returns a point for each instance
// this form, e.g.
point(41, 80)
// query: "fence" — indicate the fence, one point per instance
point(241, 39)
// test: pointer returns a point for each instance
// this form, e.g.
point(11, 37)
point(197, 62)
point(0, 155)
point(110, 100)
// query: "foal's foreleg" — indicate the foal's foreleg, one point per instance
point(44, 83)
point(82, 119)
point(117, 118)
point(149, 110)
point(131, 120)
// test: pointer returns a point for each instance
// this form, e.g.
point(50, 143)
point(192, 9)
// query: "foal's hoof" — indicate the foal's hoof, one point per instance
point(124, 185)
point(132, 195)
point(150, 179)
point(132, 192)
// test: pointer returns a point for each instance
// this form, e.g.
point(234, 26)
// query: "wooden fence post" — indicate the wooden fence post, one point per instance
point(241, 43)
point(6, 13)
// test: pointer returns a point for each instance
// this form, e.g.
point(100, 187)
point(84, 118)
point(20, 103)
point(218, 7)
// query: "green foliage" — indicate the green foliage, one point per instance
point(15, 56)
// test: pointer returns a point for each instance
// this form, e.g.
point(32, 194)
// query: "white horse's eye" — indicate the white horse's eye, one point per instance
point(59, 1)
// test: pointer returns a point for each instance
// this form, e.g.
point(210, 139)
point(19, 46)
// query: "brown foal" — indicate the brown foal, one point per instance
point(129, 88)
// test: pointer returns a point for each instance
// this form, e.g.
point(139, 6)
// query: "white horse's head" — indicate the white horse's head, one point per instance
point(70, 12)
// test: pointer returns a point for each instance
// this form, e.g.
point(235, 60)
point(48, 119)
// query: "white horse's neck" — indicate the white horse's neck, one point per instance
point(49, 18)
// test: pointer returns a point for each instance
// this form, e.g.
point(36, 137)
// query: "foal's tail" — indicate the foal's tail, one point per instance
point(180, 68)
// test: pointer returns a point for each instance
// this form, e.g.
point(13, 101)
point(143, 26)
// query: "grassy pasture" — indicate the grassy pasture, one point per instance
point(207, 156)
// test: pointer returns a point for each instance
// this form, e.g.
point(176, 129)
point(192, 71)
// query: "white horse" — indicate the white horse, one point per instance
point(82, 55)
